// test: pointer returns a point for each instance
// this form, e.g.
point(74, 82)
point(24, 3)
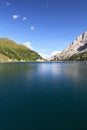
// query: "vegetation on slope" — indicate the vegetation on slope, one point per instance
point(82, 56)
point(10, 50)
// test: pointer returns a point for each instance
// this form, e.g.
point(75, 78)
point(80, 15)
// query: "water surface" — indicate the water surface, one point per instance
point(43, 96)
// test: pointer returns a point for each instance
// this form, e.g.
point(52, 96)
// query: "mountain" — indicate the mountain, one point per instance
point(76, 51)
point(11, 51)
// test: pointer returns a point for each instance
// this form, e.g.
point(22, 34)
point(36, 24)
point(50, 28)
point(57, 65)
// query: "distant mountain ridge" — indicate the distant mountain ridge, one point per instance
point(77, 50)
point(10, 51)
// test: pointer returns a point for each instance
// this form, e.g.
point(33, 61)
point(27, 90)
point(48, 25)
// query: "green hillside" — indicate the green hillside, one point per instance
point(11, 51)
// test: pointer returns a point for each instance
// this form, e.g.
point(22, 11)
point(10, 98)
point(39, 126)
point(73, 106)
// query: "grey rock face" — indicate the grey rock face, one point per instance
point(80, 44)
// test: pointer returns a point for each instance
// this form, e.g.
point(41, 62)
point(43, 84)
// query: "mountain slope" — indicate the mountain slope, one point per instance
point(76, 50)
point(81, 56)
point(11, 51)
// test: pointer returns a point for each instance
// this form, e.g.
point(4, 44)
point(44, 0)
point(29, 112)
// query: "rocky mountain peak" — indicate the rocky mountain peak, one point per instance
point(79, 44)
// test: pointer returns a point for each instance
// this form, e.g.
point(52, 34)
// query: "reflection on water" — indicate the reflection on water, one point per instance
point(70, 71)
point(52, 68)
point(73, 70)
point(43, 96)
point(76, 72)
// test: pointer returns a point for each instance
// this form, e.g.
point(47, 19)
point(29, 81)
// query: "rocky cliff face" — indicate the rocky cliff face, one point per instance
point(78, 46)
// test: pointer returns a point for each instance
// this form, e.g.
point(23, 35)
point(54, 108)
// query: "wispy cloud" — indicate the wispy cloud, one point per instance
point(47, 5)
point(32, 28)
point(24, 18)
point(15, 16)
point(47, 56)
point(28, 44)
point(44, 55)
point(8, 3)
point(44, 6)
point(55, 52)
point(43, 50)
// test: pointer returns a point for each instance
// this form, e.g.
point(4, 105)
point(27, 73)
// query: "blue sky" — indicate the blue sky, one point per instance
point(45, 25)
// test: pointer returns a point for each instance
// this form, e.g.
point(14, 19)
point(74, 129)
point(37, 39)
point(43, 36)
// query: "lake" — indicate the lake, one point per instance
point(43, 96)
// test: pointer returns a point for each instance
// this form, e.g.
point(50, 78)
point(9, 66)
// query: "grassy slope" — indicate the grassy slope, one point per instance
point(9, 49)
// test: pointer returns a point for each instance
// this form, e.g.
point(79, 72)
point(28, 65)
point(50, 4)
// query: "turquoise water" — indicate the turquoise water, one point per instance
point(43, 96)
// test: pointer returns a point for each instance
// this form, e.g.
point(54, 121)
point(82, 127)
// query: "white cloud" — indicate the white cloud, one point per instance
point(15, 16)
point(28, 44)
point(55, 52)
point(43, 53)
point(45, 56)
point(8, 3)
point(24, 18)
point(32, 28)
point(43, 50)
